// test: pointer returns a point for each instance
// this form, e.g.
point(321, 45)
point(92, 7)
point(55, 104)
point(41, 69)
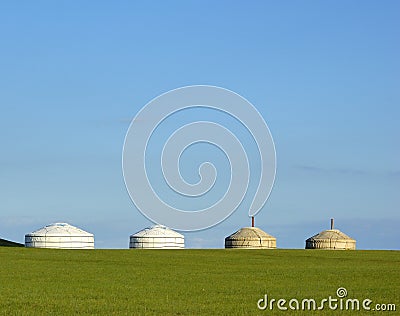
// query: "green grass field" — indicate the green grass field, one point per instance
point(190, 282)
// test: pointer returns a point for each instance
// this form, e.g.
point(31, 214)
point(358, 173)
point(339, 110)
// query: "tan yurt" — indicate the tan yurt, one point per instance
point(331, 239)
point(250, 238)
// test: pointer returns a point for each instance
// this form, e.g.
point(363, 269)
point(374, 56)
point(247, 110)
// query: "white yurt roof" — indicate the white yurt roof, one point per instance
point(59, 229)
point(157, 231)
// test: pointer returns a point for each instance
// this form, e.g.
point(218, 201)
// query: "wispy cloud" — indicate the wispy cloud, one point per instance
point(394, 174)
point(347, 171)
point(344, 171)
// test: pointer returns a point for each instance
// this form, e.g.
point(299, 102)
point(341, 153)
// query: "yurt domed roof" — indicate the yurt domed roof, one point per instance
point(59, 229)
point(330, 234)
point(250, 233)
point(157, 231)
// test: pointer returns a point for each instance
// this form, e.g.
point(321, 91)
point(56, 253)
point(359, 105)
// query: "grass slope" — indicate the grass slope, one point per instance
point(189, 282)
point(7, 243)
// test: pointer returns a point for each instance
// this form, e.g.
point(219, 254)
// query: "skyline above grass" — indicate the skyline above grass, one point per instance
point(324, 76)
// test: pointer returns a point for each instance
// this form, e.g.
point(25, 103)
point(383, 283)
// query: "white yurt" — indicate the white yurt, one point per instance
point(331, 239)
point(60, 236)
point(157, 237)
point(250, 238)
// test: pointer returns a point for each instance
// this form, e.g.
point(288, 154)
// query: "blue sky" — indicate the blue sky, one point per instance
point(323, 74)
